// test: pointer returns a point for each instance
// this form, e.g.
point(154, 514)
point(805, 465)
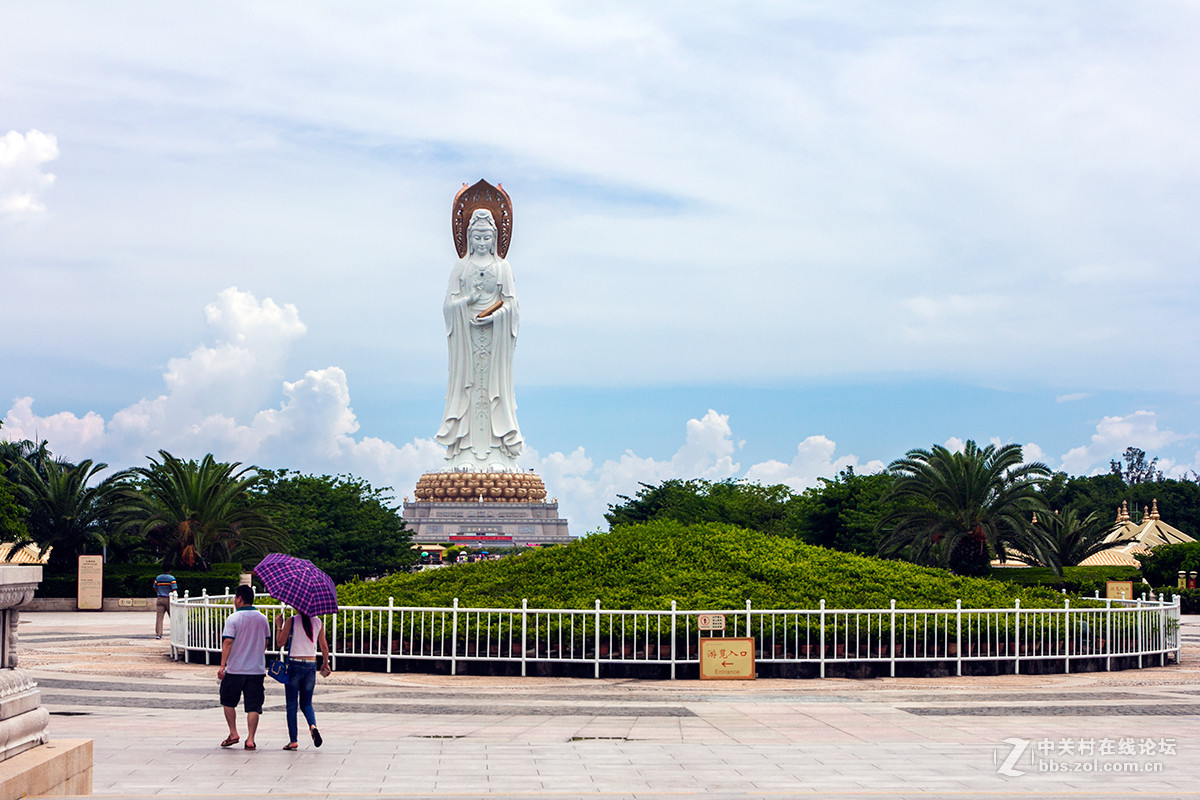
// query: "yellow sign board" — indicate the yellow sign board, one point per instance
point(727, 659)
point(1119, 590)
point(90, 589)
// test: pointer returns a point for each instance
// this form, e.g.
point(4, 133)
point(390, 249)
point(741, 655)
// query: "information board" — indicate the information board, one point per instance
point(727, 659)
point(89, 595)
point(1119, 590)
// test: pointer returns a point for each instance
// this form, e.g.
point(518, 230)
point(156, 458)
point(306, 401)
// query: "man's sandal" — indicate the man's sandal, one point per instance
point(230, 741)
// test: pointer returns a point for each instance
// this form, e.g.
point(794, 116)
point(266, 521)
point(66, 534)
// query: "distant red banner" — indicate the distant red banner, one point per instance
point(481, 538)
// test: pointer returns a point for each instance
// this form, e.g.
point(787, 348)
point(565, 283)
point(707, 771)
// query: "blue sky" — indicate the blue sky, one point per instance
point(762, 240)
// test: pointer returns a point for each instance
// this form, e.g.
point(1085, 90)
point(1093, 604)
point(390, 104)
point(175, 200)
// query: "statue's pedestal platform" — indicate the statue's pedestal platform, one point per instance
point(484, 510)
point(61, 767)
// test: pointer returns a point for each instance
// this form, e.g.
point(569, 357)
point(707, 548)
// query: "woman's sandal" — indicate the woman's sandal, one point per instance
point(316, 734)
point(249, 746)
point(230, 741)
point(292, 746)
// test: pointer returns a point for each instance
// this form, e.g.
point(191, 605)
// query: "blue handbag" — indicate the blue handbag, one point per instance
point(278, 668)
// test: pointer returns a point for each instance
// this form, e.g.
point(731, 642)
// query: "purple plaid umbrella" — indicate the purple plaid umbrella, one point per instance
point(298, 583)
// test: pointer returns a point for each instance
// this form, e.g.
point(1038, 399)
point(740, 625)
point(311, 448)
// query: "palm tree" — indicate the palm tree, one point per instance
point(64, 511)
point(967, 507)
point(1069, 539)
point(196, 514)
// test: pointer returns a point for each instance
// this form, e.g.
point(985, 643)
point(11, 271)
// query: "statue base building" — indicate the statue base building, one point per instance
point(489, 510)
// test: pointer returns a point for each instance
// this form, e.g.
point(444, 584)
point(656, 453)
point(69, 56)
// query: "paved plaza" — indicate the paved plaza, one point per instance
point(157, 724)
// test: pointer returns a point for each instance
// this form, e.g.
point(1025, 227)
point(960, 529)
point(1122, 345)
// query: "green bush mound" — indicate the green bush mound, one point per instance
point(701, 567)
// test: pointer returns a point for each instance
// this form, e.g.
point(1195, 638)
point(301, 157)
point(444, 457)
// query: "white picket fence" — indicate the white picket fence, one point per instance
point(1147, 630)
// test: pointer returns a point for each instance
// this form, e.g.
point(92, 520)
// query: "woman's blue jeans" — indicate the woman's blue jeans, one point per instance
point(302, 679)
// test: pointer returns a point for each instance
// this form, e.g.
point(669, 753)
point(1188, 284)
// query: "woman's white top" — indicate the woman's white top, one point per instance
point(302, 646)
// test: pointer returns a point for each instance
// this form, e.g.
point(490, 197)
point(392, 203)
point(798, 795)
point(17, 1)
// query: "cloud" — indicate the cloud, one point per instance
point(213, 402)
point(1073, 397)
point(22, 181)
point(586, 490)
point(814, 459)
point(67, 432)
point(1112, 436)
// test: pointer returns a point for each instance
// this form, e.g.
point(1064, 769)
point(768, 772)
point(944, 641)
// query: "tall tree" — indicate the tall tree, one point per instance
point(971, 506)
point(1137, 469)
point(196, 514)
point(843, 513)
point(1070, 538)
point(12, 516)
point(748, 505)
point(66, 510)
point(343, 525)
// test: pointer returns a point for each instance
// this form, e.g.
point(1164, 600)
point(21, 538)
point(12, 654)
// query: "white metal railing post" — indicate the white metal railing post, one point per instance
point(892, 646)
point(1017, 637)
point(333, 646)
point(822, 607)
point(1175, 614)
point(1108, 641)
point(673, 611)
point(596, 648)
point(1164, 642)
point(749, 628)
point(187, 630)
point(1067, 636)
point(524, 628)
point(391, 612)
point(206, 615)
point(958, 636)
point(1141, 638)
point(454, 638)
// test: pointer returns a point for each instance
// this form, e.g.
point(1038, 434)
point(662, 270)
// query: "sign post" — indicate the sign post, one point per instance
point(89, 594)
point(727, 659)
point(1119, 590)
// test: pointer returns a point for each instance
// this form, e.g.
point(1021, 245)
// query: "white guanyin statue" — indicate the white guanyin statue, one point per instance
point(479, 426)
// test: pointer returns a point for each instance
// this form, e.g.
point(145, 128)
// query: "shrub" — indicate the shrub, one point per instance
point(705, 566)
point(1162, 564)
point(137, 580)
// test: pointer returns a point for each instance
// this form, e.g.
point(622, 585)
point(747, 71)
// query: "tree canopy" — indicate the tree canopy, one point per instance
point(342, 524)
point(973, 505)
point(197, 513)
point(748, 505)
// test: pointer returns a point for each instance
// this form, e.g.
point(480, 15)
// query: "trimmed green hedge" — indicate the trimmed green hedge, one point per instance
point(1083, 581)
point(706, 566)
point(137, 580)
point(1189, 599)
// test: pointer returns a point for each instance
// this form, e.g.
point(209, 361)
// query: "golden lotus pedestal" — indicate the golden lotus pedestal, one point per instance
point(484, 509)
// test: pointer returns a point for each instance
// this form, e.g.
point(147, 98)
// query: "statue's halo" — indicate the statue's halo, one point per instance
point(482, 195)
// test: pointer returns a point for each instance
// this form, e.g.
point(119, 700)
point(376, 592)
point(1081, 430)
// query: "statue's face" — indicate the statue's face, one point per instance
point(482, 240)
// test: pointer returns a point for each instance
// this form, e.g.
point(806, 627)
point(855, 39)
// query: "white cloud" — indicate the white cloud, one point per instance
point(212, 403)
point(22, 181)
point(814, 459)
point(586, 491)
point(66, 432)
point(1112, 436)
point(1073, 397)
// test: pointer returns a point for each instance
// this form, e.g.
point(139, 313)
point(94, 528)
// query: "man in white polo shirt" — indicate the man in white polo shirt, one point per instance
point(243, 664)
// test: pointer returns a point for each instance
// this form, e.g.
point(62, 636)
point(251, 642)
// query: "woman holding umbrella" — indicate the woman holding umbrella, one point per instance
point(311, 593)
point(302, 670)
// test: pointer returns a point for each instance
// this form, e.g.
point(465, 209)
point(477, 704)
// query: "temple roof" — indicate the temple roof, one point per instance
point(1137, 537)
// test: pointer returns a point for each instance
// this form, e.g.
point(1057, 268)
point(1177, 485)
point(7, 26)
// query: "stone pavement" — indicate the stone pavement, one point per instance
point(157, 723)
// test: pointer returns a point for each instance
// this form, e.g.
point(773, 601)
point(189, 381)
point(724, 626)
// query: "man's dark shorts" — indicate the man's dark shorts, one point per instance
point(234, 687)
